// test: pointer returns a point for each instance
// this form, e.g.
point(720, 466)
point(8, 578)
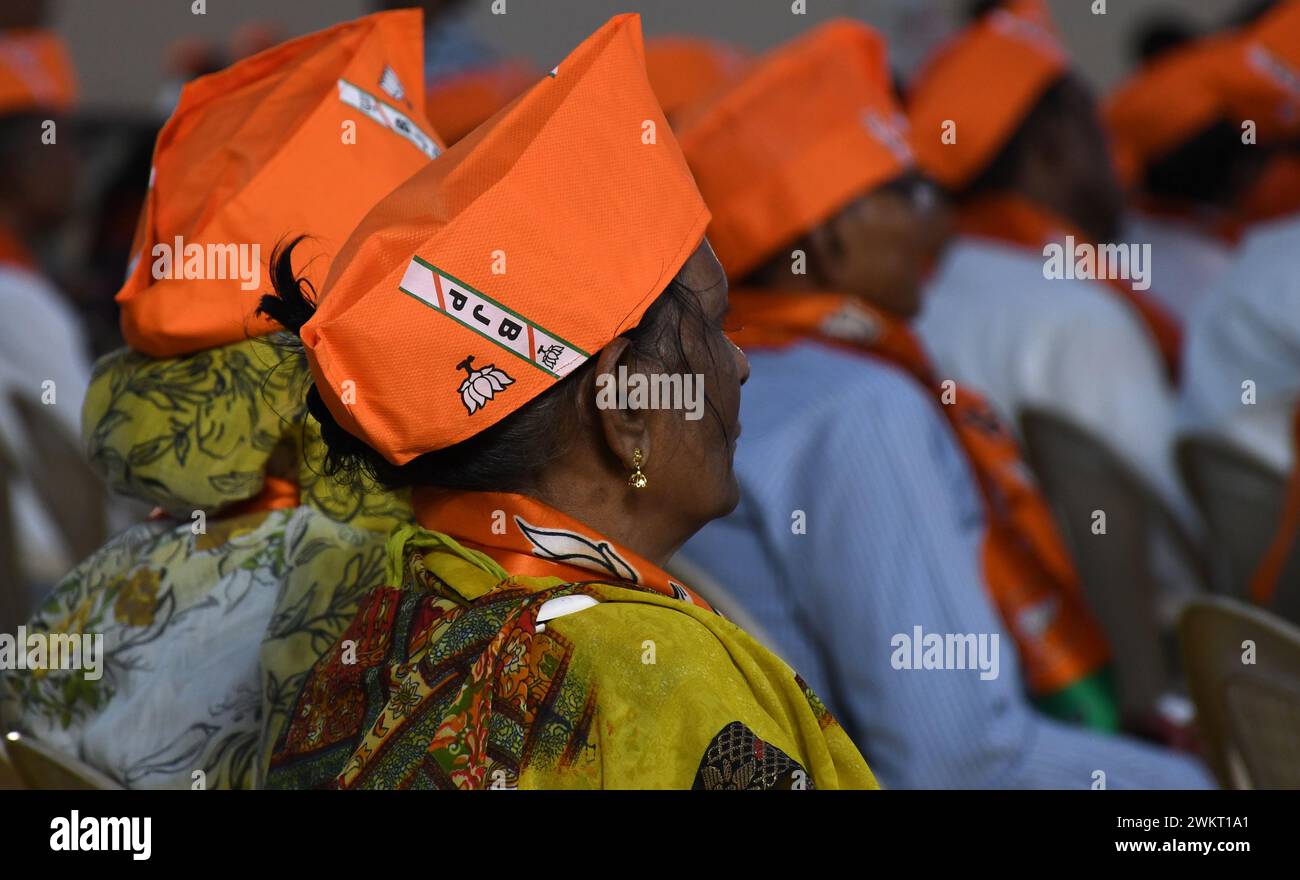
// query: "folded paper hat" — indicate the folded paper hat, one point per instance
point(303, 138)
point(35, 72)
point(499, 269)
point(684, 70)
point(971, 97)
point(811, 126)
point(1248, 75)
point(462, 102)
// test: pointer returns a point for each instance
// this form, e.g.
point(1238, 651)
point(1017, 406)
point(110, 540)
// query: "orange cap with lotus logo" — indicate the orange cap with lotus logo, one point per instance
point(499, 269)
point(971, 97)
point(35, 72)
point(303, 138)
point(810, 127)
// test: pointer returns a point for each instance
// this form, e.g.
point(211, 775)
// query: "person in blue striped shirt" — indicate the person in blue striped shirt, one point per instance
point(858, 539)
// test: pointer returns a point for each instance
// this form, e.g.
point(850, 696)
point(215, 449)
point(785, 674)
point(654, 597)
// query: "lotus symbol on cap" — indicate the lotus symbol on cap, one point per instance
point(480, 386)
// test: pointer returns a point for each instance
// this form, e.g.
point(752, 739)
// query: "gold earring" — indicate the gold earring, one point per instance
point(637, 480)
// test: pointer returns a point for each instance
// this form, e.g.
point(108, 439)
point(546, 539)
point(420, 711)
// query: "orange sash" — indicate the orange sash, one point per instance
point(1026, 566)
point(530, 539)
point(1264, 585)
point(1016, 220)
point(12, 251)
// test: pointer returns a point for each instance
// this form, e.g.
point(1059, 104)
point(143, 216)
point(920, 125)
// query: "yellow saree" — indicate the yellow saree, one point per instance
point(471, 676)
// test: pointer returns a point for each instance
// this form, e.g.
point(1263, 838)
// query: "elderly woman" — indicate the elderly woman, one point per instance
point(531, 637)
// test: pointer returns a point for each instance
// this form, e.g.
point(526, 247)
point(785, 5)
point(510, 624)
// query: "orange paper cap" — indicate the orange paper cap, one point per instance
point(979, 88)
point(1248, 75)
point(35, 72)
point(461, 103)
point(1267, 88)
point(303, 138)
point(500, 268)
point(684, 70)
point(810, 127)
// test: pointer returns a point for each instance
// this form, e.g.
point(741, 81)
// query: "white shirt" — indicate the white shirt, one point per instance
point(1248, 329)
point(1185, 261)
point(40, 339)
point(992, 321)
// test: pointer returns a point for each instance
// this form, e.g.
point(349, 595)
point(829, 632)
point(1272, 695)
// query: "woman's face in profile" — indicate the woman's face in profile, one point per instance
point(695, 444)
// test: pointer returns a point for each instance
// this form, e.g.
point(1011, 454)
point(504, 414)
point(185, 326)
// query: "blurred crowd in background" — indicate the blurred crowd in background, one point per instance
point(1187, 429)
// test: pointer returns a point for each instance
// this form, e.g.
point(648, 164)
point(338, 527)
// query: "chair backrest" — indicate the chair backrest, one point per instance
point(66, 484)
point(1286, 596)
point(719, 597)
point(1243, 669)
point(9, 778)
point(1083, 479)
point(42, 767)
point(1240, 499)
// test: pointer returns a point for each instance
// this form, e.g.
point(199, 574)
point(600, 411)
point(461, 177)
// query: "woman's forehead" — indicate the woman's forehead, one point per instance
point(704, 275)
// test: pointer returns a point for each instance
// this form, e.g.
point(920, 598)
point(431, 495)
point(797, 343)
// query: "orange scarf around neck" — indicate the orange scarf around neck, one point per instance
point(1016, 220)
point(12, 250)
point(531, 539)
point(1026, 565)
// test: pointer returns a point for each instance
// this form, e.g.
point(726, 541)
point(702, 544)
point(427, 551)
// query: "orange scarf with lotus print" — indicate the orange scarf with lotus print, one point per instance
point(1016, 220)
point(1026, 565)
point(531, 539)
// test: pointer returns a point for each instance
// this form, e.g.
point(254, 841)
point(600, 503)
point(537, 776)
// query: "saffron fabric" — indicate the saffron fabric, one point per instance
point(686, 70)
point(36, 72)
point(811, 126)
point(440, 311)
point(459, 103)
point(1027, 569)
point(460, 680)
point(301, 139)
point(970, 98)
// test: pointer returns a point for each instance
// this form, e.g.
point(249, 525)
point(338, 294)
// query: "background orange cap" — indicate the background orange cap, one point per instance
point(684, 70)
point(461, 103)
point(985, 80)
point(499, 269)
point(810, 127)
point(264, 150)
point(35, 72)
point(1247, 75)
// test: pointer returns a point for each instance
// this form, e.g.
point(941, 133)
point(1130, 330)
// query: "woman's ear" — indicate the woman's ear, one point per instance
point(623, 429)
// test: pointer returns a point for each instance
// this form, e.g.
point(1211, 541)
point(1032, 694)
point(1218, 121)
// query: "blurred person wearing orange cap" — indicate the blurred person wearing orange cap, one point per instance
point(44, 357)
point(466, 80)
point(530, 637)
point(918, 507)
point(208, 424)
point(685, 70)
point(999, 118)
point(1189, 142)
point(1243, 343)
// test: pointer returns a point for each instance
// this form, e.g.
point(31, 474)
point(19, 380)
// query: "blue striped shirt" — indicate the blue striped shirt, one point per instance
point(891, 540)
